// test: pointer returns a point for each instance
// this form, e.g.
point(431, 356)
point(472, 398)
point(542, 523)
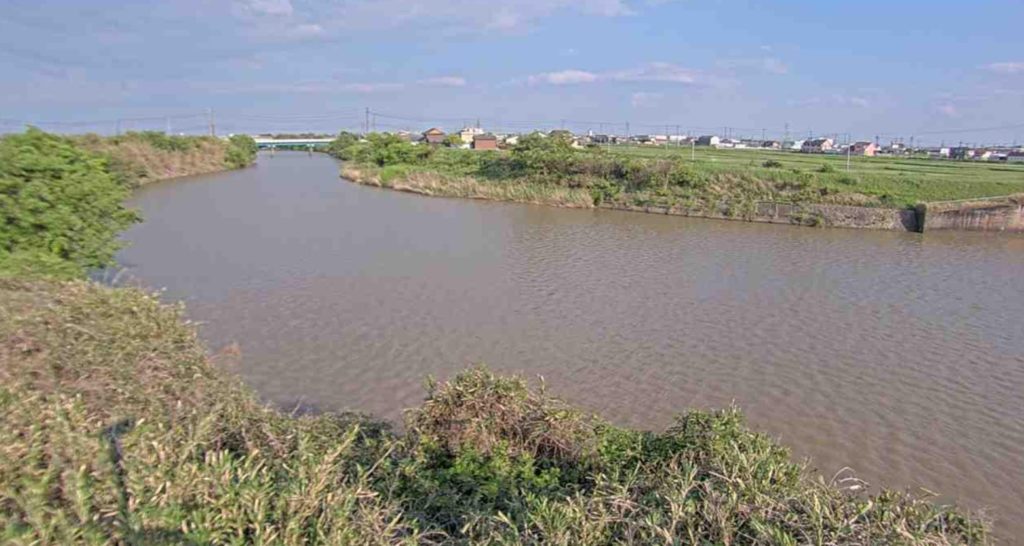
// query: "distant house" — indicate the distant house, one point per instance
point(771, 144)
point(709, 140)
point(511, 140)
point(600, 139)
point(865, 148)
point(1015, 157)
point(485, 142)
point(961, 152)
point(469, 133)
point(982, 155)
point(817, 146)
point(433, 136)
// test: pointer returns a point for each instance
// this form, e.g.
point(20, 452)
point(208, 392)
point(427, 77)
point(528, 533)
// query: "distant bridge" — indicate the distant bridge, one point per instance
point(270, 143)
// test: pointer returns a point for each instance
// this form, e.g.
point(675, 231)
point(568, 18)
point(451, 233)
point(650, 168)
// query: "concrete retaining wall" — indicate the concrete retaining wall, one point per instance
point(805, 215)
point(996, 214)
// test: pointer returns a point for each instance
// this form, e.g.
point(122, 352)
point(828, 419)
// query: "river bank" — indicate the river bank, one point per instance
point(547, 170)
point(522, 191)
point(120, 428)
point(137, 159)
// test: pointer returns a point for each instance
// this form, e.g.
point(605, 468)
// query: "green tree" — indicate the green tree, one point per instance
point(60, 208)
point(344, 145)
point(453, 140)
point(241, 151)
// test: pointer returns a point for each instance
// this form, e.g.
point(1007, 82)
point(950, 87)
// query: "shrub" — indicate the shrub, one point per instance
point(772, 164)
point(241, 151)
point(826, 168)
point(58, 202)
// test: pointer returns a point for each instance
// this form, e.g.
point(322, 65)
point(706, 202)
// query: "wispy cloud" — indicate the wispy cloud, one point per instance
point(563, 77)
point(1005, 67)
point(458, 16)
point(948, 110)
point(770, 65)
point(649, 72)
point(643, 99)
point(833, 100)
point(445, 81)
point(267, 7)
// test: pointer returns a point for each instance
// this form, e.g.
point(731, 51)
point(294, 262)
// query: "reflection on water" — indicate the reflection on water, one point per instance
point(897, 354)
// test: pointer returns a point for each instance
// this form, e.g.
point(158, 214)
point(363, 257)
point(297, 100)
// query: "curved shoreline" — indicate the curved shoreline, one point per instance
point(996, 214)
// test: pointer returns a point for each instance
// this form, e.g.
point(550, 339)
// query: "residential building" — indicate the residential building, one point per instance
point(433, 136)
point(817, 146)
point(709, 140)
point(1015, 157)
point(961, 152)
point(468, 133)
point(485, 142)
point(864, 148)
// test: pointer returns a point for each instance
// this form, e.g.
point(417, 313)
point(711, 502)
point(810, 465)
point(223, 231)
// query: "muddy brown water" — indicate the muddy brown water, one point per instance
point(896, 354)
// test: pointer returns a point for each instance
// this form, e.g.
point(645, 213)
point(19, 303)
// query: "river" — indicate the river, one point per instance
point(896, 354)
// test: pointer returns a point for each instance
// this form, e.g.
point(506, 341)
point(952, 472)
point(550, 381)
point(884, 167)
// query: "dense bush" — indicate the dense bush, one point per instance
point(60, 209)
point(241, 151)
point(117, 430)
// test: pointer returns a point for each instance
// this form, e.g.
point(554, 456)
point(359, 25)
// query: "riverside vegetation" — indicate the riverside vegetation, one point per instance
point(547, 169)
point(119, 428)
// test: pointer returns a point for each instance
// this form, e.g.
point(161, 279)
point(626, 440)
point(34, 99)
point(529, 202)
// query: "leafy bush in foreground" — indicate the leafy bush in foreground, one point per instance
point(59, 206)
point(117, 429)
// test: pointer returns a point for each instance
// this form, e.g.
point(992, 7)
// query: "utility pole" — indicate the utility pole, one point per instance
point(787, 132)
point(167, 125)
point(209, 121)
point(693, 150)
point(848, 147)
point(366, 124)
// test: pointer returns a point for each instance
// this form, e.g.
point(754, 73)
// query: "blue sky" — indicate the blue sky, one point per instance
point(935, 70)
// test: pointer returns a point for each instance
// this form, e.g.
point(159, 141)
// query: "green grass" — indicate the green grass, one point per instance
point(903, 181)
point(119, 429)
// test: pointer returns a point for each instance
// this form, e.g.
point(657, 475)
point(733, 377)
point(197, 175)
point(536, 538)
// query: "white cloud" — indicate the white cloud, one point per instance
point(458, 16)
point(304, 31)
point(445, 81)
point(268, 7)
point(371, 87)
point(1008, 67)
point(656, 72)
point(564, 77)
point(650, 72)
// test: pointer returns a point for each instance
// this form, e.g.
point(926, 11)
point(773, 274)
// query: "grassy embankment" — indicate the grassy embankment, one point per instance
point(118, 429)
point(140, 158)
point(547, 170)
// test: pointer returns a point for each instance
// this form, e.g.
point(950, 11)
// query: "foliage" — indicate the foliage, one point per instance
point(241, 151)
point(343, 145)
point(138, 158)
point(453, 141)
point(58, 204)
point(708, 178)
point(117, 429)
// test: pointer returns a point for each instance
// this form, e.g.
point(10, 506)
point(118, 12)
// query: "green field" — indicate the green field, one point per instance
point(906, 180)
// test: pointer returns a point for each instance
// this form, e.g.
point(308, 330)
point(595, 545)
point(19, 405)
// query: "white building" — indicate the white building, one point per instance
point(468, 133)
